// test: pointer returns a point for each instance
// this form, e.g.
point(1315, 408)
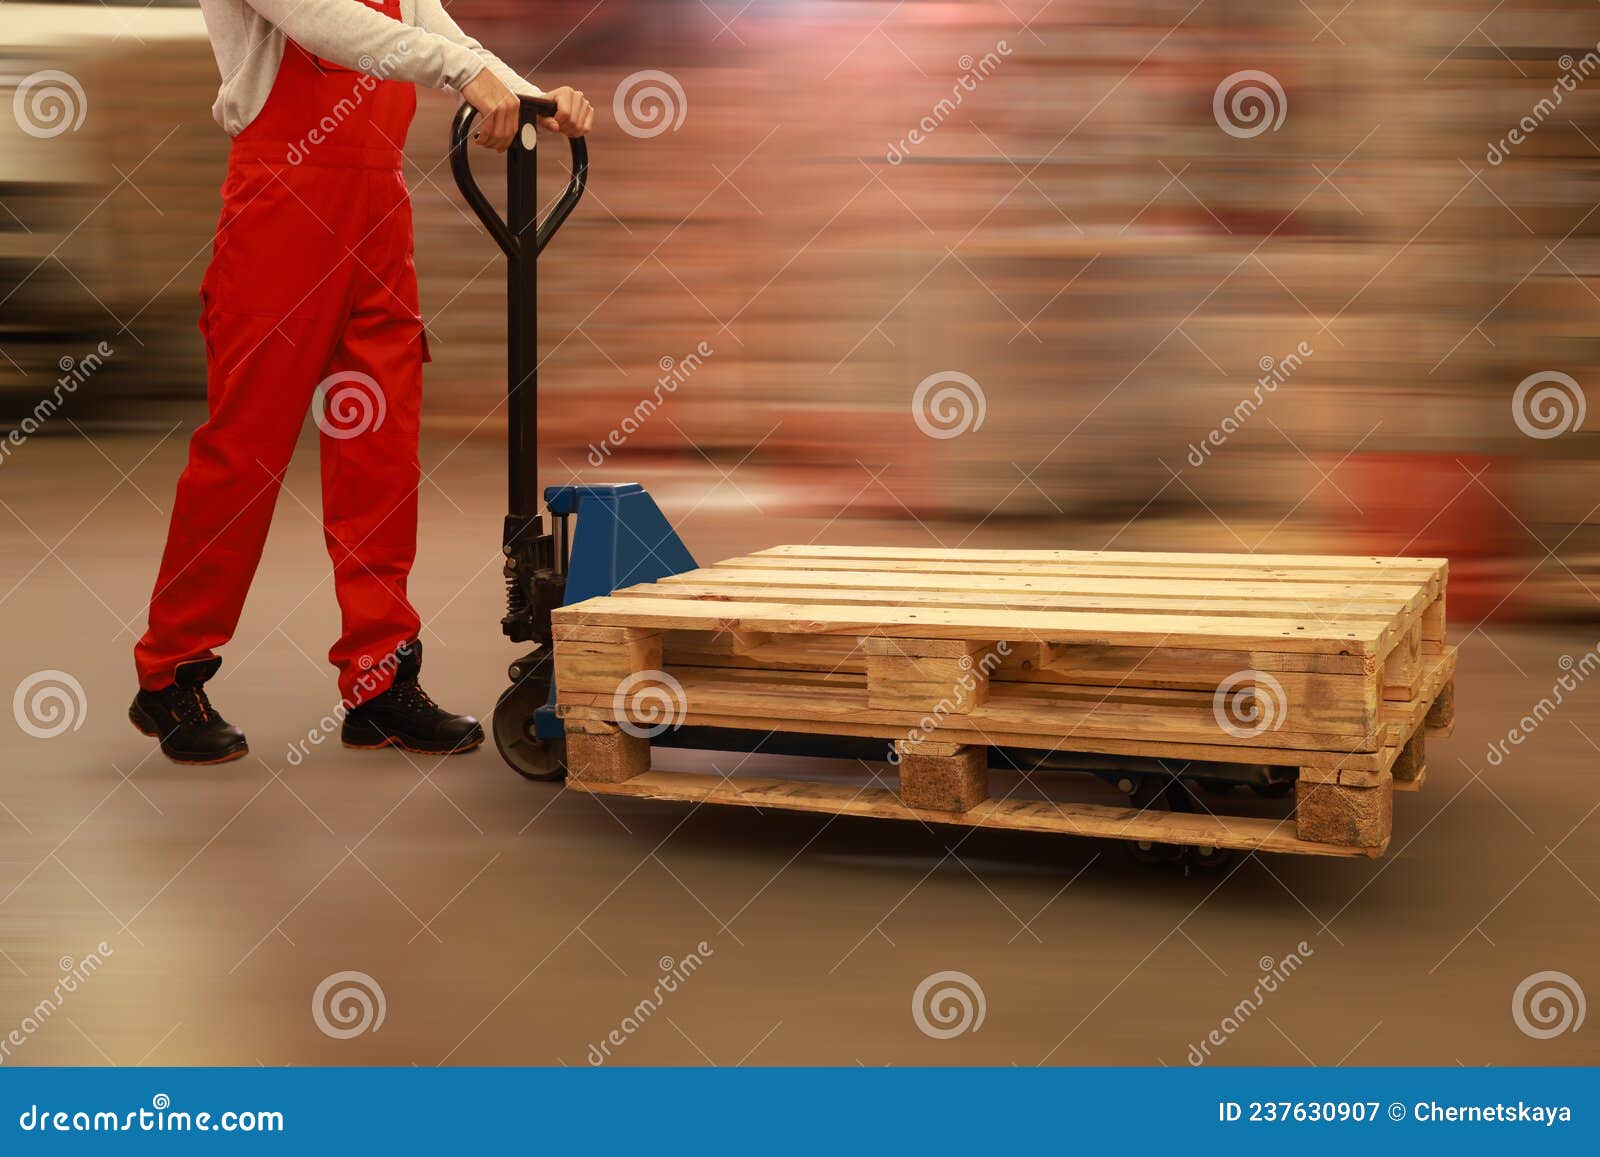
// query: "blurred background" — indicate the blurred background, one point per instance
point(1111, 256)
point(1213, 275)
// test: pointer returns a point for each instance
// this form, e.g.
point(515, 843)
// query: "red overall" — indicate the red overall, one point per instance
point(311, 291)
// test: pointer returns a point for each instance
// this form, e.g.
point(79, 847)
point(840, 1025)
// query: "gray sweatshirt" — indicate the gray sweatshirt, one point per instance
point(425, 47)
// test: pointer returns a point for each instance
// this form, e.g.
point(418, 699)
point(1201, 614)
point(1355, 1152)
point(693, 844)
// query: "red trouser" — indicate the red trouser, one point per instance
point(311, 290)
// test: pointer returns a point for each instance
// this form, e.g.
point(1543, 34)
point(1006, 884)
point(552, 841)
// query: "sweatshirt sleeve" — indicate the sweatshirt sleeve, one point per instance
point(349, 33)
point(432, 18)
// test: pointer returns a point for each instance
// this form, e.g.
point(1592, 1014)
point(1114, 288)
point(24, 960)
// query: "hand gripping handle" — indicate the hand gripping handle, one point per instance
point(460, 164)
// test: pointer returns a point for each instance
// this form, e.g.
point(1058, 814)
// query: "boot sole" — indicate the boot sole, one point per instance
point(144, 725)
point(470, 744)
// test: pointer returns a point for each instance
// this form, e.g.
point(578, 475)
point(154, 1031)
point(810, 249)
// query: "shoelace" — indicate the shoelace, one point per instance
point(410, 694)
point(192, 706)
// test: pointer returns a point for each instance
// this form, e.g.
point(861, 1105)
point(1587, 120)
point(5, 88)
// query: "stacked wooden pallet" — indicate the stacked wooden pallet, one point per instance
point(1333, 667)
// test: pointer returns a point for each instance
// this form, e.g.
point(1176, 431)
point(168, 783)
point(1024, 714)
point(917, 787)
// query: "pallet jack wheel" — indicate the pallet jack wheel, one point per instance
point(1172, 794)
point(540, 760)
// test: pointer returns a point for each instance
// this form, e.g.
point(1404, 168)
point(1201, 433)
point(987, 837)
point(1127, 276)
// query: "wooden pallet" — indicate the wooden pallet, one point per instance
point(1157, 656)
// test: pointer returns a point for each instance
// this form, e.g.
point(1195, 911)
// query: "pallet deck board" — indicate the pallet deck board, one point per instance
point(982, 624)
point(1328, 590)
point(1078, 819)
point(1138, 595)
point(1262, 608)
point(1120, 558)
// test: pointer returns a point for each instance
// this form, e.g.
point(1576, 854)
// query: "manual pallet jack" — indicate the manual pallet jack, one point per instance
point(622, 539)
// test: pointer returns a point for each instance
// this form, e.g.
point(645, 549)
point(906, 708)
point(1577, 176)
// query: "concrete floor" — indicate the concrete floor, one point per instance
point(507, 922)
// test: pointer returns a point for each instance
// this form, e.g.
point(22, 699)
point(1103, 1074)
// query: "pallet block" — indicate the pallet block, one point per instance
point(1411, 766)
point(606, 754)
point(1333, 813)
point(925, 674)
point(943, 777)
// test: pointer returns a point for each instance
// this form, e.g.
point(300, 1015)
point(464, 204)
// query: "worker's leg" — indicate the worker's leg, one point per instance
point(260, 375)
point(369, 497)
point(272, 302)
point(370, 470)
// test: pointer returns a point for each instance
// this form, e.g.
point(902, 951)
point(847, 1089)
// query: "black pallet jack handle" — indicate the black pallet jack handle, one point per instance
point(535, 568)
point(521, 201)
point(522, 237)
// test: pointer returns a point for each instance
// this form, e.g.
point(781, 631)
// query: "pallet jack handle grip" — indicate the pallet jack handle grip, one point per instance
point(460, 164)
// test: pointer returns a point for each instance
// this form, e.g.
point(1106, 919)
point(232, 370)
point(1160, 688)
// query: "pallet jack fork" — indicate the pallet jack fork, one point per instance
point(621, 537)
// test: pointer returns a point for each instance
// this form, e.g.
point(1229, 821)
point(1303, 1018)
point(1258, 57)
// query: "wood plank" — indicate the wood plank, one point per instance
point(1434, 621)
point(984, 624)
point(961, 577)
point(587, 634)
point(1412, 784)
point(585, 663)
point(1109, 569)
point(682, 587)
point(1305, 561)
point(1402, 668)
point(1319, 705)
point(1094, 820)
point(1082, 663)
point(955, 730)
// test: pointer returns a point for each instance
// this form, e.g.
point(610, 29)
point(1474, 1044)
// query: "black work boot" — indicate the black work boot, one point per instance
point(182, 718)
point(404, 716)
